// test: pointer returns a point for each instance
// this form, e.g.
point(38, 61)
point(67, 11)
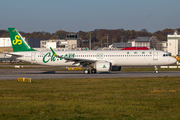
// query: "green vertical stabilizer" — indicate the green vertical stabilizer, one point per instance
point(18, 42)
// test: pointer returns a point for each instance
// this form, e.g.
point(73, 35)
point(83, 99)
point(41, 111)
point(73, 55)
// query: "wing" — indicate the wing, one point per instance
point(83, 62)
point(14, 55)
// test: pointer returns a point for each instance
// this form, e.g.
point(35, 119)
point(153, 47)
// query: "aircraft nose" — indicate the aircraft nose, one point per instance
point(173, 60)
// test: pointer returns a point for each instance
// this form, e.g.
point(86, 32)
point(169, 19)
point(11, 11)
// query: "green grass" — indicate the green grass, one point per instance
point(77, 99)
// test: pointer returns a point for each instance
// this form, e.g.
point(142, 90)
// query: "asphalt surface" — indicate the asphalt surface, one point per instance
point(40, 73)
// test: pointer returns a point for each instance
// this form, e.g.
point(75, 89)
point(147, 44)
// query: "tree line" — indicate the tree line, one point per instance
point(98, 36)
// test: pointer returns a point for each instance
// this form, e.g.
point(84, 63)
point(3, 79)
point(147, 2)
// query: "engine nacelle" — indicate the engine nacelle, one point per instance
point(116, 68)
point(103, 66)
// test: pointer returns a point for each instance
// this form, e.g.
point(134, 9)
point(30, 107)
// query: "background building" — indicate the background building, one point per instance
point(164, 46)
point(6, 46)
point(174, 43)
point(33, 42)
point(149, 42)
point(71, 42)
point(120, 45)
point(5, 42)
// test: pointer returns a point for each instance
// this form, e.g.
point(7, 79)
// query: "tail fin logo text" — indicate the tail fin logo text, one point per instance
point(17, 41)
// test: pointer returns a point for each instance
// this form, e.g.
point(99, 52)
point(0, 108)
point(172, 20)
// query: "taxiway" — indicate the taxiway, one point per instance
point(13, 74)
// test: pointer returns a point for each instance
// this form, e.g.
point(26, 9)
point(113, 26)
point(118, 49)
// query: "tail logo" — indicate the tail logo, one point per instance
point(17, 41)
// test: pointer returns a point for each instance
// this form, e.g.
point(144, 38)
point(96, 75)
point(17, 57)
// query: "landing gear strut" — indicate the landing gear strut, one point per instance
point(156, 69)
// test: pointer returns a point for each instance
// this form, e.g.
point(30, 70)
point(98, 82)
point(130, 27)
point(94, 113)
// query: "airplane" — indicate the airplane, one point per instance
point(92, 61)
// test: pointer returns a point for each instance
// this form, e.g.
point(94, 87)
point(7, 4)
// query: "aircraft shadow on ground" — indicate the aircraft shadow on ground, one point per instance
point(81, 72)
point(54, 72)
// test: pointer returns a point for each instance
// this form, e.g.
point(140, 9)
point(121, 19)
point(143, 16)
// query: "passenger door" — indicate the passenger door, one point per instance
point(33, 56)
point(155, 55)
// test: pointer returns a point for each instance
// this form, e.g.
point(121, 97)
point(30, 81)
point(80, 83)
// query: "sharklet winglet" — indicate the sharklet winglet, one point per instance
point(53, 52)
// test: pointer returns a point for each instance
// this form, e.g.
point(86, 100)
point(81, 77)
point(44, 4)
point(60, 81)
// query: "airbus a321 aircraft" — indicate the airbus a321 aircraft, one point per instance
point(93, 61)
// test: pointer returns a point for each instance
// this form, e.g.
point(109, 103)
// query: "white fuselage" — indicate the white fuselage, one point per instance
point(117, 58)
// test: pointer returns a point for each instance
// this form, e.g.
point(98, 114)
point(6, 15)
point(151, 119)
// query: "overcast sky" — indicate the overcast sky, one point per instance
point(87, 15)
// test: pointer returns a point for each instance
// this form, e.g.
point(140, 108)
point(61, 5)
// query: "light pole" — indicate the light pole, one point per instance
point(175, 33)
point(122, 38)
point(90, 42)
point(107, 39)
point(101, 43)
point(4, 45)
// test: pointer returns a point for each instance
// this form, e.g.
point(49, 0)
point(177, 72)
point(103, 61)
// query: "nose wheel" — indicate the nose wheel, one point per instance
point(156, 70)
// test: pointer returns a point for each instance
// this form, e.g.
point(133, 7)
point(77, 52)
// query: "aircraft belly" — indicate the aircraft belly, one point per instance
point(26, 59)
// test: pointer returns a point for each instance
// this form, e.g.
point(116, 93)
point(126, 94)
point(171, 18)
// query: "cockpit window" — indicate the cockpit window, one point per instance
point(165, 55)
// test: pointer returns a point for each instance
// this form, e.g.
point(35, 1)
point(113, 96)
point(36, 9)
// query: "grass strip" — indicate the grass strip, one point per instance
point(106, 98)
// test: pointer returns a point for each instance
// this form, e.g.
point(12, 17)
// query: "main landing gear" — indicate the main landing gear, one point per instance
point(87, 71)
point(93, 71)
point(156, 69)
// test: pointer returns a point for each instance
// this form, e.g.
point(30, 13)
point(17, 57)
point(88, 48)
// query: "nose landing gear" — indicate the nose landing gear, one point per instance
point(156, 70)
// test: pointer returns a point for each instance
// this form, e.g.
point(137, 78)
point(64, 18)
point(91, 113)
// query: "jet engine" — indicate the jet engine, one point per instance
point(103, 66)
